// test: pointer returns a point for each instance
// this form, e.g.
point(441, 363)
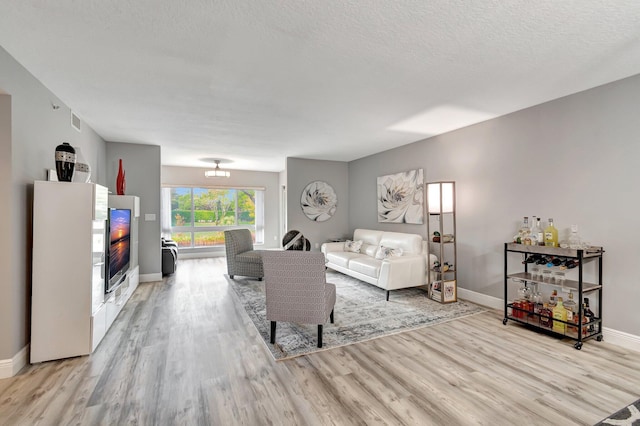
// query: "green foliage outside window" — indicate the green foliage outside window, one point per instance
point(202, 208)
point(213, 207)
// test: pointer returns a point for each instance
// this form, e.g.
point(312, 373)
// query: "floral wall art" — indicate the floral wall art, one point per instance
point(319, 201)
point(400, 197)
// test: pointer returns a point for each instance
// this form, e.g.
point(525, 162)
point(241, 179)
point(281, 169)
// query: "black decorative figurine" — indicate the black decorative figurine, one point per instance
point(65, 162)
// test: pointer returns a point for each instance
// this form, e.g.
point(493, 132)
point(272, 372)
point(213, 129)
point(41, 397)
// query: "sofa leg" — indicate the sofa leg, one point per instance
point(387, 295)
point(331, 316)
point(259, 278)
point(319, 335)
point(231, 276)
point(273, 332)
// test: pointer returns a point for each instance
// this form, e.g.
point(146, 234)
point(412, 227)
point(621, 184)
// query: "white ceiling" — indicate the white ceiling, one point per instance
point(257, 81)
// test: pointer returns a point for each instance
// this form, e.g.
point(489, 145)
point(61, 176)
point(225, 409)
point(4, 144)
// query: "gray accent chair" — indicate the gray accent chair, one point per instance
point(296, 289)
point(169, 256)
point(242, 259)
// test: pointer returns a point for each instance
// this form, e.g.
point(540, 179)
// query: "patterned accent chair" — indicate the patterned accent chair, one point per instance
point(242, 259)
point(296, 289)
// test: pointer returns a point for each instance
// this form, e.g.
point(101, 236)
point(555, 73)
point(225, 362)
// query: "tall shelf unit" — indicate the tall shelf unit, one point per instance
point(441, 234)
point(70, 311)
point(68, 314)
point(576, 330)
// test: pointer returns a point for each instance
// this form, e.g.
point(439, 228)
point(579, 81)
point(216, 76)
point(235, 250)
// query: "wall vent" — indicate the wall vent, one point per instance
point(75, 122)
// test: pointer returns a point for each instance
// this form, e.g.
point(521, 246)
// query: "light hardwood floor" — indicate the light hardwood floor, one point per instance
point(184, 352)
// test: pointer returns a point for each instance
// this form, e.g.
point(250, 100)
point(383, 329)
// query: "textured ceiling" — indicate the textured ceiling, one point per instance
point(257, 81)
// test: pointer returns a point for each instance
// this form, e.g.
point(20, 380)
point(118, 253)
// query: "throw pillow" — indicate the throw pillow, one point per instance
point(353, 246)
point(386, 252)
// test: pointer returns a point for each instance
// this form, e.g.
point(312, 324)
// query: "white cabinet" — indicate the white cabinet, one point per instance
point(70, 313)
point(69, 231)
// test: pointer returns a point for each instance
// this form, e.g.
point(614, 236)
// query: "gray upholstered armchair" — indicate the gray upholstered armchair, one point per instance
point(296, 289)
point(242, 259)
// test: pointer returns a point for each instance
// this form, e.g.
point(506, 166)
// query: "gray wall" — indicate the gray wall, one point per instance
point(363, 190)
point(194, 176)
point(36, 129)
point(574, 159)
point(300, 173)
point(9, 290)
point(141, 164)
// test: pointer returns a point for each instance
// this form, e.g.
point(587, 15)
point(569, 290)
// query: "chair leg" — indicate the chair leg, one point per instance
point(273, 332)
point(387, 295)
point(331, 316)
point(319, 335)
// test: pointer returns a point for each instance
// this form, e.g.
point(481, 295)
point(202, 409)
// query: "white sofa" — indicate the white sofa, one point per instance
point(391, 273)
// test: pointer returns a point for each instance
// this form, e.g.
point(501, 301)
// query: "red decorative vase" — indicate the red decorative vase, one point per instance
point(121, 184)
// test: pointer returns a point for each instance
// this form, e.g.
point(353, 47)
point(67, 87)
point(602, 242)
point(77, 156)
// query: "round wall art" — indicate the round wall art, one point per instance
point(319, 201)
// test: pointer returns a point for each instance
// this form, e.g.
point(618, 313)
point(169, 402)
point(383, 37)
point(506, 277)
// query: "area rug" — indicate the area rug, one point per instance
point(629, 415)
point(361, 313)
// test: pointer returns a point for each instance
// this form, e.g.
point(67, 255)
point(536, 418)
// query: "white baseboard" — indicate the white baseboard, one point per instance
point(10, 367)
point(147, 278)
point(201, 255)
point(481, 299)
point(609, 335)
point(620, 338)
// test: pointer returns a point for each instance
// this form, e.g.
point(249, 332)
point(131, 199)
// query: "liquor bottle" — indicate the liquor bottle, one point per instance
point(589, 315)
point(572, 314)
point(553, 299)
point(574, 238)
point(533, 237)
point(585, 320)
point(539, 232)
point(559, 317)
point(519, 235)
point(525, 232)
point(537, 299)
point(545, 316)
point(551, 235)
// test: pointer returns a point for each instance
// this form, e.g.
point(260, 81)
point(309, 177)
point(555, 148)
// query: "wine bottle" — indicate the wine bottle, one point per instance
point(542, 261)
point(571, 263)
point(533, 258)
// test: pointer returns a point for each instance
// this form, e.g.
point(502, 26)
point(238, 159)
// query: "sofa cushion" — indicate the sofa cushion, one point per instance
point(251, 256)
point(368, 236)
point(342, 258)
point(385, 252)
point(366, 265)
point(409, 243)
point(369, 249)
point(353, 246)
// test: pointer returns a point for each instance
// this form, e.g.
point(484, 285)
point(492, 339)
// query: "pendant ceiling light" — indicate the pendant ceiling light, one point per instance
point(217, 172)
